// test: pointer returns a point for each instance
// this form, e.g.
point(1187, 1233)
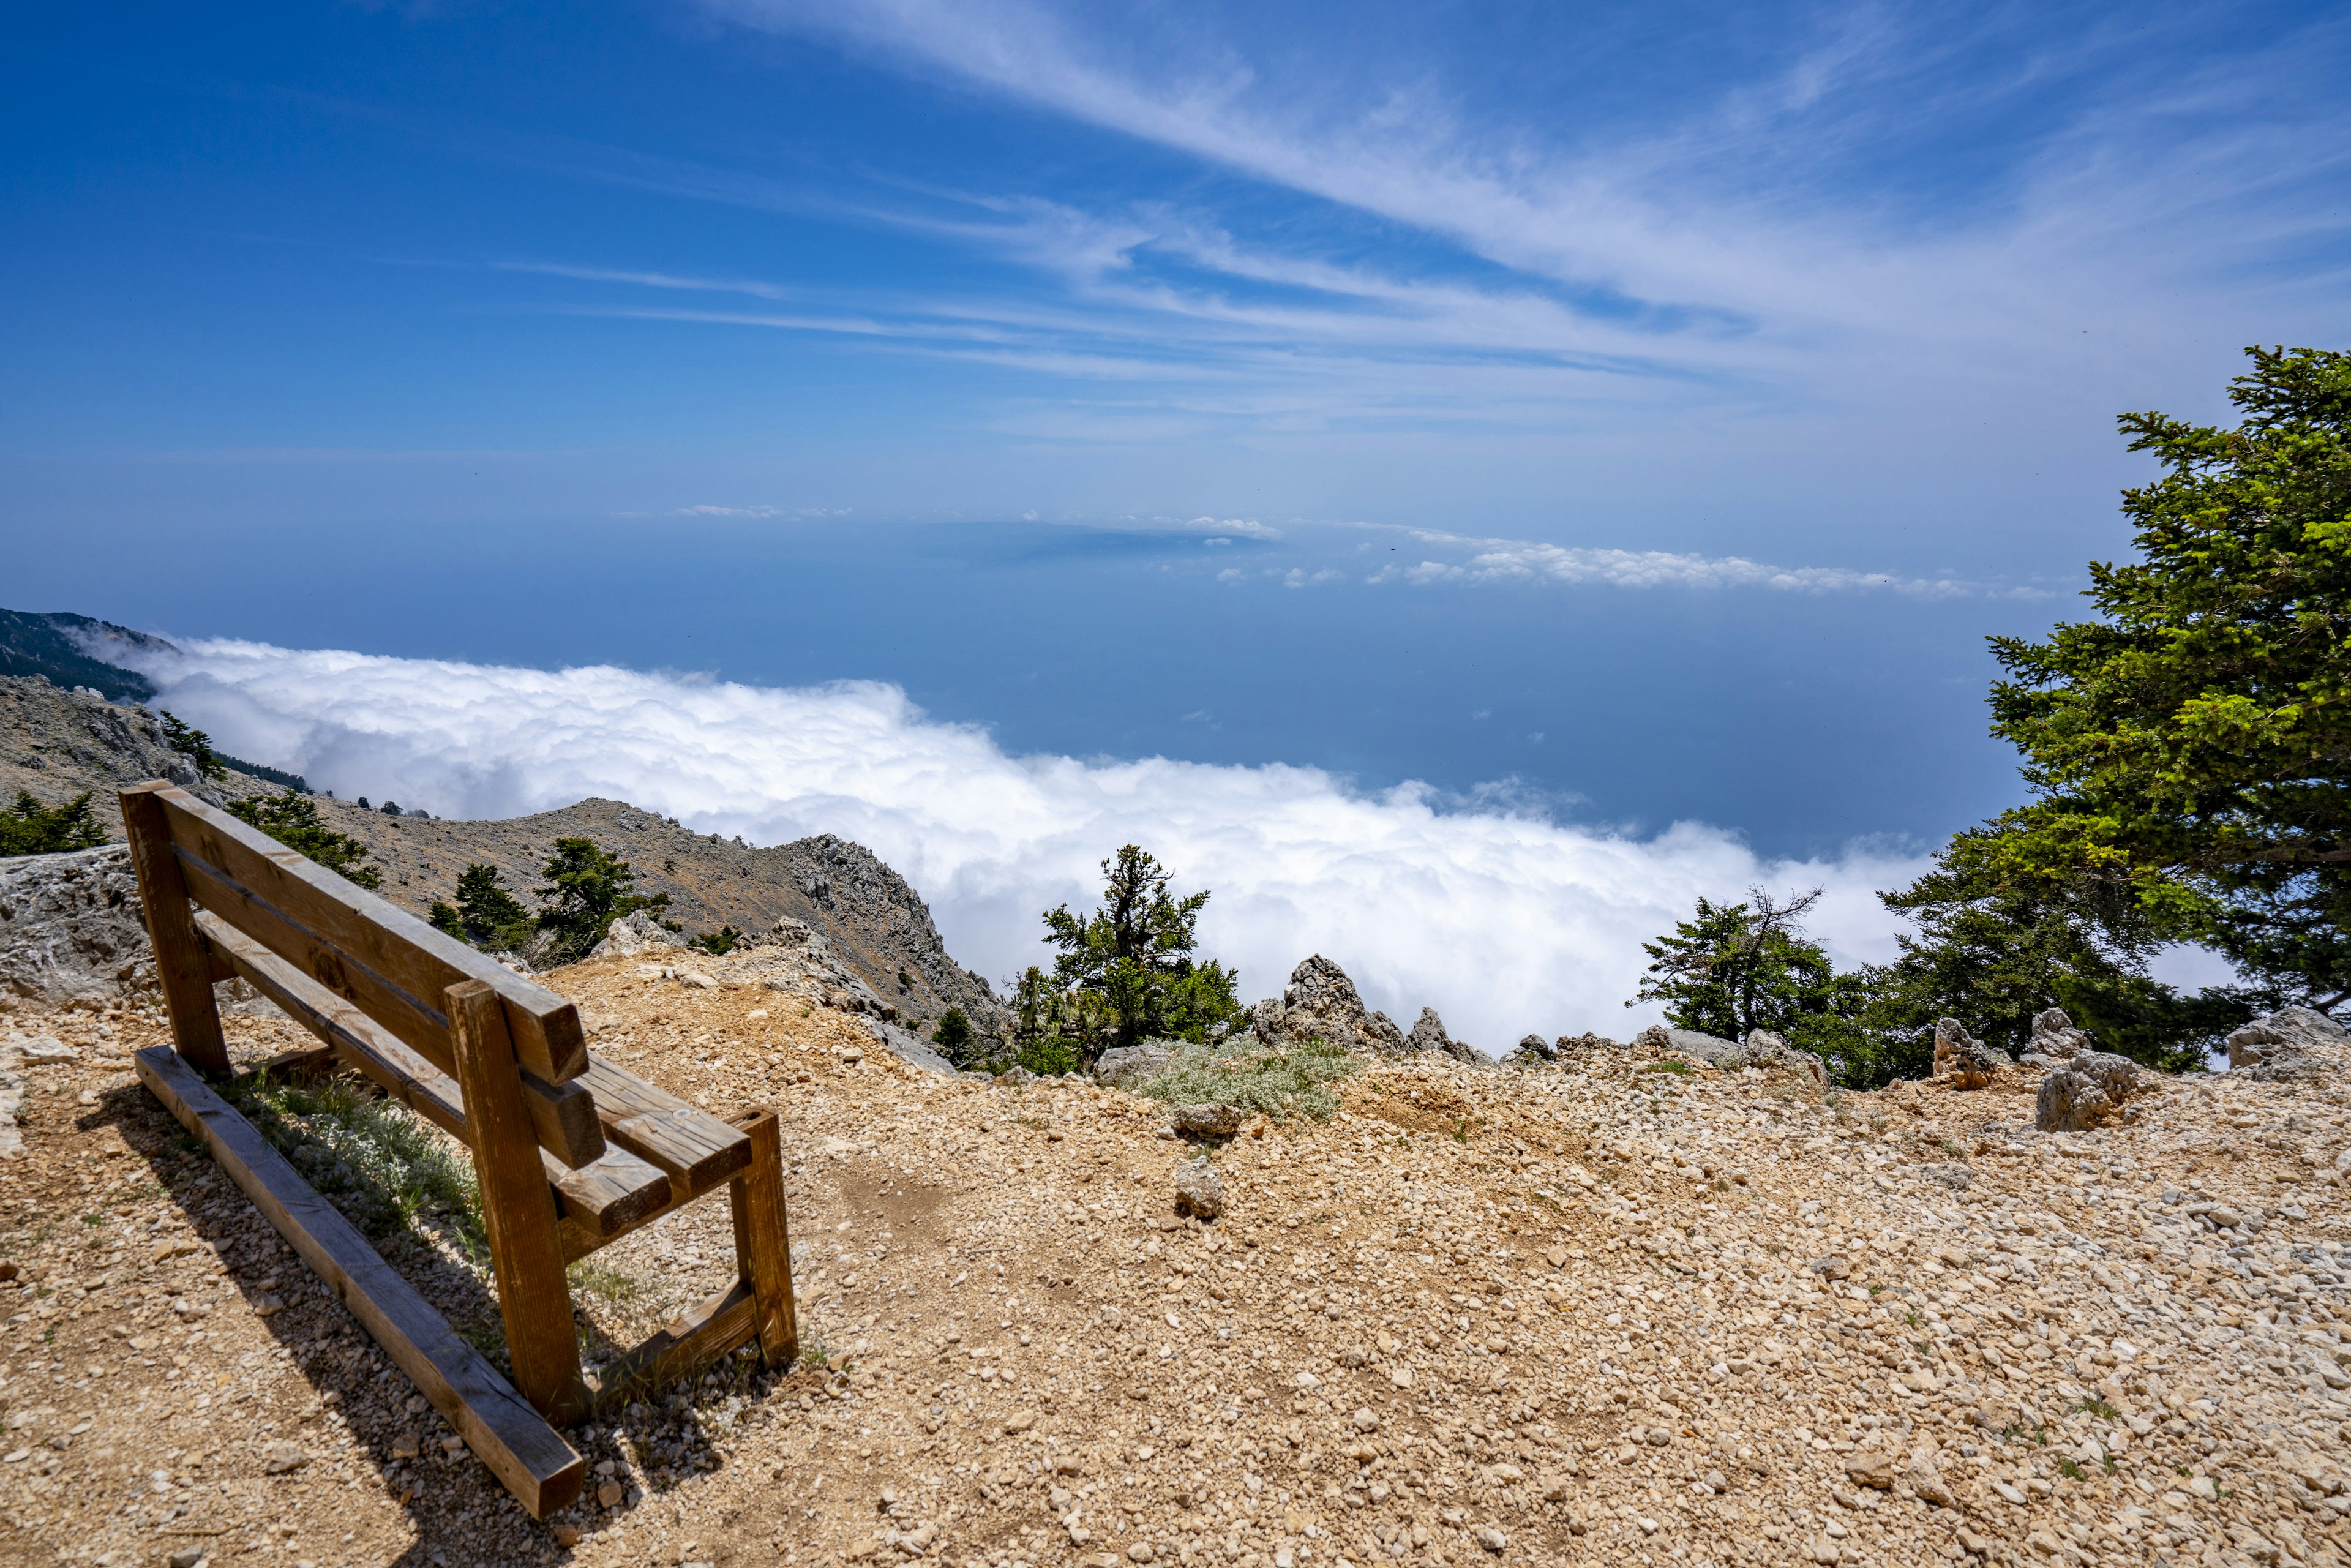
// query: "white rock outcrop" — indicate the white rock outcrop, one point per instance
point(72, 934)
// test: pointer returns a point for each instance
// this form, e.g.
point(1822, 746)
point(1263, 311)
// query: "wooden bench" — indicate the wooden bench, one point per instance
point(571, 1152)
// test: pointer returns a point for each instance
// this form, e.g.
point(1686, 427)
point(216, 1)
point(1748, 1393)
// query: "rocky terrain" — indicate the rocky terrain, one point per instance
point(1666, 1302)
point(874, 920)
point(57, 743)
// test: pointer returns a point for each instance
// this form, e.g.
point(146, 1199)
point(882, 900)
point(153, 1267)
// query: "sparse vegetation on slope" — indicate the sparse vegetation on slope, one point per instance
point(29, 828)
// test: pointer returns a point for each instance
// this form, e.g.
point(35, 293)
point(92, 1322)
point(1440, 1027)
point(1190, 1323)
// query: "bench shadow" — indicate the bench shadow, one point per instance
point(656, 1444)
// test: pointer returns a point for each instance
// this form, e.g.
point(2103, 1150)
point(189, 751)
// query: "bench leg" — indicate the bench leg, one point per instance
point(763, 1242)
point(534, 1297)
point(183, 965)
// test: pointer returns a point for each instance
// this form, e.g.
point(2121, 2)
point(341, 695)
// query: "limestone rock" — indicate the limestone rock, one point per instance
point(1199, 1189)
point(908, 1047)
point(2290, 1043)
point(1760, 1049)
point(71, 931)
point(1322, 1003)
point(1765, 1049)
point(1532, 1051)
point(1573, 1045)
point(2085, 1093)
point(1926, 1478)
point(634, 933)
point(1871, 1467)
point(1205, 1121)
point(1961, 1060)
point(11, 1099)
point(2054, 1038)
point(1131, 1066)
point(1429, 1035)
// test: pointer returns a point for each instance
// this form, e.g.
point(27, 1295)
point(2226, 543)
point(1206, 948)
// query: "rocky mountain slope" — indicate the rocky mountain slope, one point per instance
point(873, 918)
point(1624, 1307)
point(55, 742)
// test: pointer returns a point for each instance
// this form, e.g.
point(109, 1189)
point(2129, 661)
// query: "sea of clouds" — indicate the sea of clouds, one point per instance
point(1502, 918)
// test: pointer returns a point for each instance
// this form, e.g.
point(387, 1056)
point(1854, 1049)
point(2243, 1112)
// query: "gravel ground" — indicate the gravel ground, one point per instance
point(1618, 1311)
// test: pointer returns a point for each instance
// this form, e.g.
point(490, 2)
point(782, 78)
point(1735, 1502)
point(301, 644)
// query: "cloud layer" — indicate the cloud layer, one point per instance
point(1502, 919)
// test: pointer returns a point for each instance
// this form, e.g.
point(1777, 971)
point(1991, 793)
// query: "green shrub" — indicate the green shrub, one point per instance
point(1252, 1077)
point(587, 890)
point(29, 827)
point(486, 914)
point(718, 942)
point(954, 1033)
point(1051, 1057)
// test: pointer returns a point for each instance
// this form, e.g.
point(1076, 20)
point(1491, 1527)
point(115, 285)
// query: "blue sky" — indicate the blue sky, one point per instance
point(1638, 413)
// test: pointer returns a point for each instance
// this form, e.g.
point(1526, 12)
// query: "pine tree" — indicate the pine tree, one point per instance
point(587, 889)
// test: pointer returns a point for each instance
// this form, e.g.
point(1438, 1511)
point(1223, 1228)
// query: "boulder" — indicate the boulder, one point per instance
point(1765, 1049)
point(1761, 1047)
point(1429, 1035)
point(1322, 1003)
point(72, 934)
point(2292, 1042)
point(1131, 1066)
point(1571, 1044)
point(1925, 1475)
point(634, 933)
point(908, 1047)
point(1532, 1051)
point(1199, 1189)
point(2085, 1092)
point(1205, 1121)
point(1705, 1048)
point(2054, 1038)
point(1962, 1061)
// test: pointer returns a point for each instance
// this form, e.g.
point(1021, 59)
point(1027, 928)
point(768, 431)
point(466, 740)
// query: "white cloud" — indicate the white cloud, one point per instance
point(1525, 561)
point(1502, 919)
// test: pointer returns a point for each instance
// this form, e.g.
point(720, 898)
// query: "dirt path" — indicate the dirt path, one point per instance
point(1610, 1312)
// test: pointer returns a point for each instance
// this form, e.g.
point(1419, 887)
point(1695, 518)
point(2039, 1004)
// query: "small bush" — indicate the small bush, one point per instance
point(29, 827)
point(719, 942)
point(954, 1033)
point(1053, 1057)
point(1251, 1077)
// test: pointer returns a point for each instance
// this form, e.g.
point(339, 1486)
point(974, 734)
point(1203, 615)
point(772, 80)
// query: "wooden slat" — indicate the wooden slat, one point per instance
point(763, 1243)
point(534, 1298)
point(530, 1458)
point(182, 966)
point(697, 1149)
point(357, 944)
point(603, 1199)
point(563, 1115)
point(686, 1346)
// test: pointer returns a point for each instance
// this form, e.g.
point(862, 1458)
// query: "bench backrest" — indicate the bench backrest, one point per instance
point(381, 959)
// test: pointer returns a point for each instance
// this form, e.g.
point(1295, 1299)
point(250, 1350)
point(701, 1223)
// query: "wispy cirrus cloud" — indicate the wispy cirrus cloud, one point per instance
point(1762, 212)
point(1528, 560)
